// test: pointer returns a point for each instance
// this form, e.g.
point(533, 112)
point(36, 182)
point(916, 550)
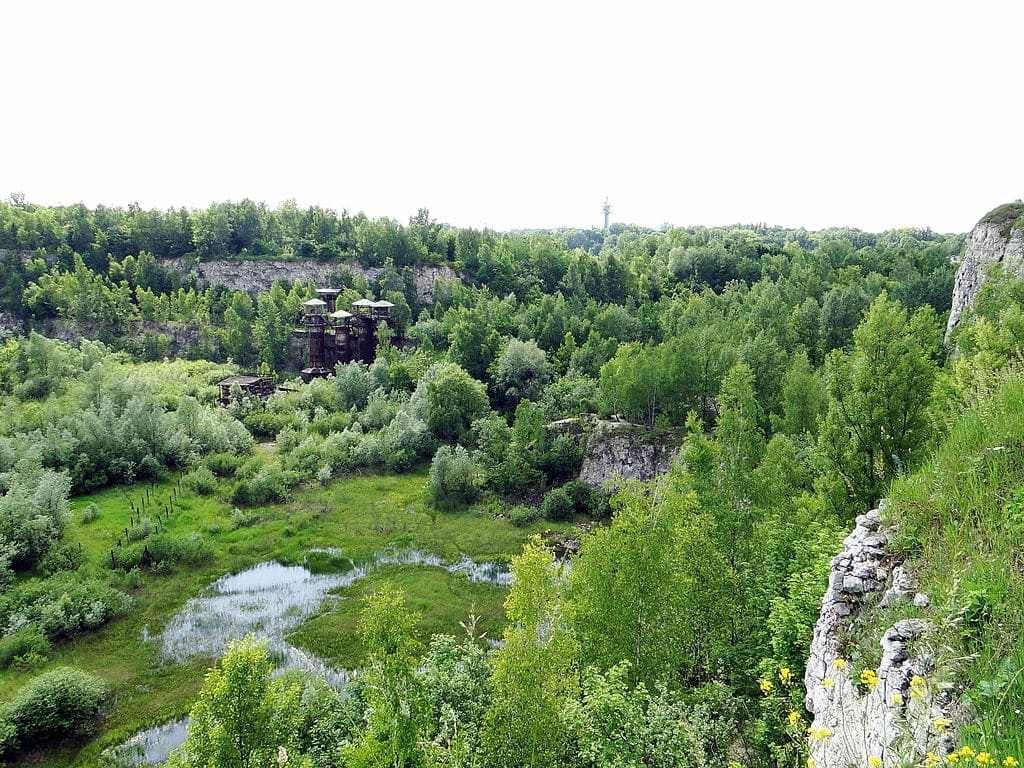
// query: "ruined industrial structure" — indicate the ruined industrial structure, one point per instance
point(338, 336)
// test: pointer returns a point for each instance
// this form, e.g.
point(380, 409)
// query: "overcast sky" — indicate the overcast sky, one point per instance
point(525, 114)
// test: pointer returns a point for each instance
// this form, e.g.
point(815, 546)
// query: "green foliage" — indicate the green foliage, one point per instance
point(650, 588)
point(201, 481)
point(27, 641)
point(877, 423)
point(448, 399)
point(242, 718)
point(63, 605)
point(533, 673)
point(618, 726)
point(521, 372)
point(61, 702)
point(33, 512)
point(454, 476)
point(958, 522)
point(396, 706)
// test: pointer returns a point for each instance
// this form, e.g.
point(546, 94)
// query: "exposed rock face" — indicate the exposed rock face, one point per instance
point(618, 451)
point(257, 276)
point(9, 325)
point(985, 245)
point(889, 716)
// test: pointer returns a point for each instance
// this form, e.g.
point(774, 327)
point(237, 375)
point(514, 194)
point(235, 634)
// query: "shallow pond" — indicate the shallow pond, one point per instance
point(270, 600)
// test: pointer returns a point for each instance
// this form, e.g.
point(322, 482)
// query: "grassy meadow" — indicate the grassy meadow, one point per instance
point(358, 515)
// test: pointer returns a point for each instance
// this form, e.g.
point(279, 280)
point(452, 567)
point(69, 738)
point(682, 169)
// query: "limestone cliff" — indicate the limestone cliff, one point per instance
point(259, 275)
point(887, 712)
point(616, 451)
point(995, 240)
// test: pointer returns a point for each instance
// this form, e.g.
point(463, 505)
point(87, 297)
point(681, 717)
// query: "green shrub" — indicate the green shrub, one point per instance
point(90, 513)
point(265, 487)
point(223, 464)
point(557, 504)
point(164, 551)
point(523, 514)
point(201, 481)
point(454, 476)
point(63, 556)
point(28, 639)
point(61, 702)
point(62, 605)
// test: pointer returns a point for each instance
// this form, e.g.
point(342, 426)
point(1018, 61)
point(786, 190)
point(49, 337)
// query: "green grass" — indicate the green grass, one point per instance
point(960, 524)
point(360, 515)
point(444, 600)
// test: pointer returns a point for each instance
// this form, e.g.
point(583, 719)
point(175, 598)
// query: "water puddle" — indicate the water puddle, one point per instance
point(270, 600)
point(152, 746)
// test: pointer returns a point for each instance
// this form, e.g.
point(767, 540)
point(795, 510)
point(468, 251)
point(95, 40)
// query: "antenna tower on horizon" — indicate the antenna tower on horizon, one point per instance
point(606, 209)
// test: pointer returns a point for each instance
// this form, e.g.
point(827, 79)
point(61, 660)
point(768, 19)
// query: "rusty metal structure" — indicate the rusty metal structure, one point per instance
point(338, 336)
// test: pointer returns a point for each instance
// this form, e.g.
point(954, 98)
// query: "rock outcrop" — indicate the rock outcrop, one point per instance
point(256, 276)
point(617, 451)
point(887, 713)
point(993, 241)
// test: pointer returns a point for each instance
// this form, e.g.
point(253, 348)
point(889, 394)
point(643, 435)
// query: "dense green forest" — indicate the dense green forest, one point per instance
point(799, 374)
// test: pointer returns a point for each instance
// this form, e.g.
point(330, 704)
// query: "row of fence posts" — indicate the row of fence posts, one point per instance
point(147, 503)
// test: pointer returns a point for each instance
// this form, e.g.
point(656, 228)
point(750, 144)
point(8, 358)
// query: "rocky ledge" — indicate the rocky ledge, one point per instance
point(887, 713)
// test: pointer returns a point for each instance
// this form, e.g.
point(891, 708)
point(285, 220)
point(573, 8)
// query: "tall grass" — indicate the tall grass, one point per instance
point(959, 522)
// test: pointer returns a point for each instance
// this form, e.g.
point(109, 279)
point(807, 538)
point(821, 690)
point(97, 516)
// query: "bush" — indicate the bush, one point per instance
point(523, 514)
point(587, 501)
point(454, 476)
point(62, 605)
point(64, 556)
point(90, 513)
point(201, 481)
point(28, 639)
point(267, 486)
point(557, 504)
point(163, 551)
point(573, 498)
point(57, 703)
point(222, 464)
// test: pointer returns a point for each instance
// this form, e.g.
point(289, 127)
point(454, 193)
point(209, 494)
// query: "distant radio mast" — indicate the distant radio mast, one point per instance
point(606, 209)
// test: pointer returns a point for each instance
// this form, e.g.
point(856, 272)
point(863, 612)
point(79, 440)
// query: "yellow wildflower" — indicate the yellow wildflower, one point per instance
point(765, 685)
point(985, 759)
point(967, 752)
point(932, 760)
point(953, 757)
point(811, 763)
point(819, 734)
point(839, 663)
point(786, 676)
point(1011, 762)
point(869, 678)
point(917, 682)
point(874, 762)
point(941, 724)
point(828, 682)
point(897, 700)
point(794, 718)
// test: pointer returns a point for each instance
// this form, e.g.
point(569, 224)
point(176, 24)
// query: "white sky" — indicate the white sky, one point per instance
point(525, 114)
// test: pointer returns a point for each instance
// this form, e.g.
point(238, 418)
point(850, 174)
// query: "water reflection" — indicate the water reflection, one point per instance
point(270, 600)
